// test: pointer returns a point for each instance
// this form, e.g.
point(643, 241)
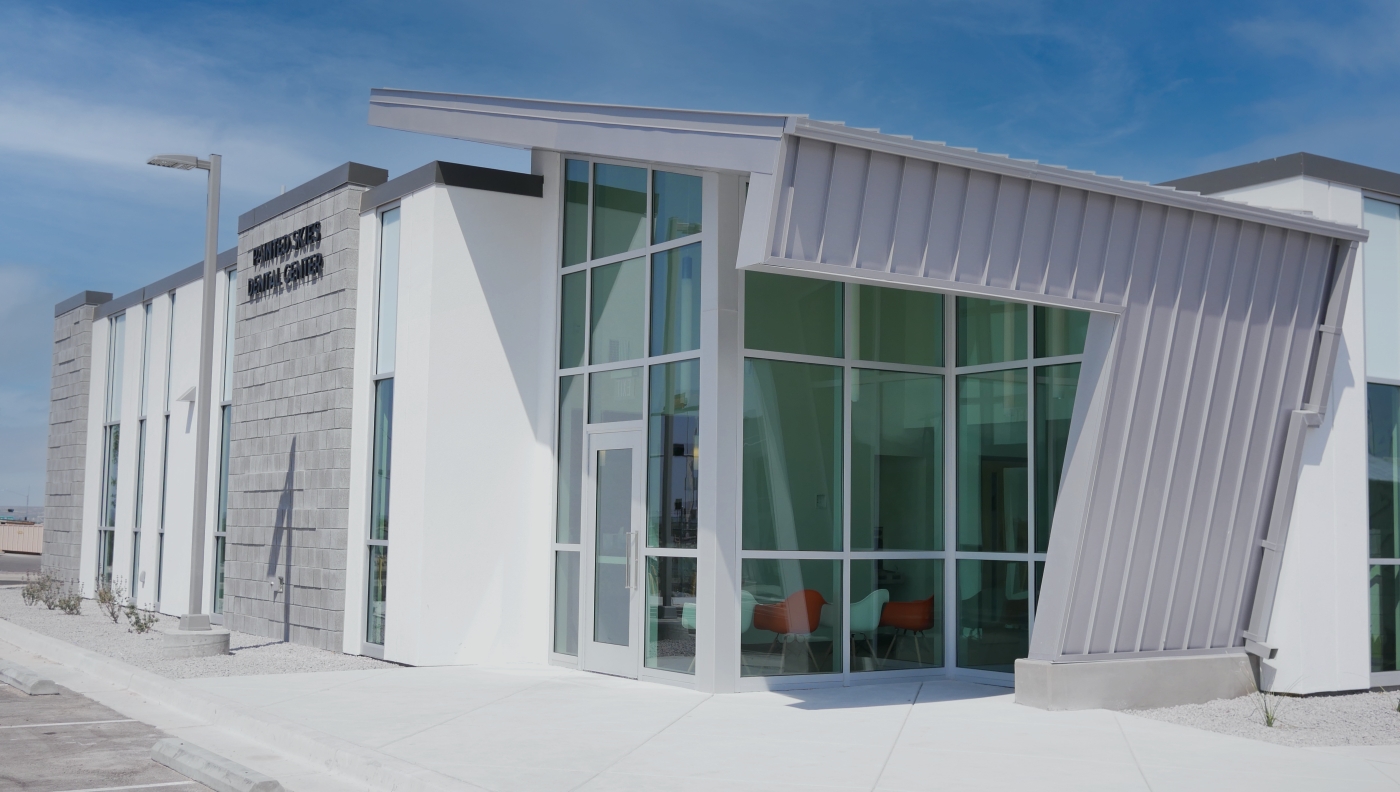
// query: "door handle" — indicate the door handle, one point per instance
point(631, 557)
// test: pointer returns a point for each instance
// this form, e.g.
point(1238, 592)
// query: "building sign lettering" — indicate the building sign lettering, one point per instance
point(290, 274)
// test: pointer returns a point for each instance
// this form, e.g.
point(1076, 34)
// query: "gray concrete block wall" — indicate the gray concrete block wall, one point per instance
point(67, 454)
point(289, 457)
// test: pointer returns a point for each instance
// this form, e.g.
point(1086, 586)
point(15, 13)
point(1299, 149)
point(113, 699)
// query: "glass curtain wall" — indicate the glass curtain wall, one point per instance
point(629, 346)
point(136, 583)
point(225, 439)
point(111, 447)
point(165, 444)
point(872, 417)
point(1382, 289)
point(386, 337)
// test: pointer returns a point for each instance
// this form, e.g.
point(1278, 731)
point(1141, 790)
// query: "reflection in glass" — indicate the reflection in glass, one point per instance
point(1054, 407)
point(992, 464)
point(1383, 468)
point(896, 461)
point(388, 319)
point(575, 212)
point(109, 480)
point(670, 643)
point(1385, 617)
point(789, 617)
point(611, 597)
point(619, 209)
point(230, 323)
point(378, 594)
point(116, 361)
point(619, 303)
point(676, 204)
point(785, 313)
point(106, 548)
point(1382, 292)
point(566, 602)
point(792, 456)
point(898, 326)
point(383, 437)
point(220, 545)
point(568, 512)
point(993, 620)
point(573, 310)
point(1039, 576)
point(225, 441)
point(896, 614)
point(673, 455)
point(675, 300)
point(140, 474)
point(990, 331)
point(615, 395)
point(1060, 331)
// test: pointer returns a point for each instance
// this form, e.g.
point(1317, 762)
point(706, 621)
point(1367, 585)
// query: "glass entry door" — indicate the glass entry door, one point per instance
point(614, 509)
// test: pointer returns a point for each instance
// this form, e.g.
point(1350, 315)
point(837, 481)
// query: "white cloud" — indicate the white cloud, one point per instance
point(1367, 42)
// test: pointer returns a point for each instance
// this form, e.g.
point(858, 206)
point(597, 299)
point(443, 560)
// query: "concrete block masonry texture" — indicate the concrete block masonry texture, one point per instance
point(67, 443)
point(212, 770)
point(288, 458)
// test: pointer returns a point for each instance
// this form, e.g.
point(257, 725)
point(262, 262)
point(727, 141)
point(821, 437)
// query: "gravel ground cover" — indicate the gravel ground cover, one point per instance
point(249, 654)
point(1352, 719)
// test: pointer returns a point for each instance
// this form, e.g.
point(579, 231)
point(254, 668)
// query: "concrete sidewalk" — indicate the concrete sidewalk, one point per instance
point(539, 728)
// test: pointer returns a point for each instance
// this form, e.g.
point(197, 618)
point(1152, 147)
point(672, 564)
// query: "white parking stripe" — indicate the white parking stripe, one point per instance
point(72, 723)
point(138, 786)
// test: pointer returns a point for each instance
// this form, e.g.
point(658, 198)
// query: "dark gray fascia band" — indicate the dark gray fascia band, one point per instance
point(80, 299)
point(452, 174)
point(348, 173)
point(227, 260)
point(1287, 167)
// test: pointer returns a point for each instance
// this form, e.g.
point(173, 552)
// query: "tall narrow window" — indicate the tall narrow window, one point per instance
point(1382, 274)
point(165, 442)
point(225, 440)
point(386, 332)
point(111, 447)
point(137, 519)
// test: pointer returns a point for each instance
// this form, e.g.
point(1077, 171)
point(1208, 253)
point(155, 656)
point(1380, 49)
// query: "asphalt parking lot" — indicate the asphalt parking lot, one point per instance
point(69, 743)
point(14, 566)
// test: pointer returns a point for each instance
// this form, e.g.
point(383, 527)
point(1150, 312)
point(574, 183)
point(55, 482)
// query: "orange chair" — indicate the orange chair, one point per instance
point(794, 618)
point(908, 618)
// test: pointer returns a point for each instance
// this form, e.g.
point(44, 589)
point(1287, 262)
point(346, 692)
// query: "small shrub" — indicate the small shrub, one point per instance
point(141, 621)
point(70, 601)
point(49, 590)
point(36, 589)
point(110, 595)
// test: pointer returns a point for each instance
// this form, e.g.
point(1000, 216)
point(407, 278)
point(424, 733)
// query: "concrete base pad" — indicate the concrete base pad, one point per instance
point(1132, 684)
point(195, 643)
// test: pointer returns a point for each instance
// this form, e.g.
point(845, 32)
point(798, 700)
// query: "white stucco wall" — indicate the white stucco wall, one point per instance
point(1321, 621)
point(471, 492)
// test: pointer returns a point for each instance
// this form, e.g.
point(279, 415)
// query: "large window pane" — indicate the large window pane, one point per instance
point(383, 442)
point(230, 323)
point(573, 310)
point(673, 455)
point(619, 209)
point(784, 313)
point(1385, 617)
point(670, 643)
point(896, 461)
point(1060, 331)
point(675, 300)
point(116, 361)
point(220, 548)
point(615, 395)
point(1382, 276)
point(676, 202)
point(1054, 406)
point(1383, 463)
point(898, 326)
point(619, 305)
point(575, 212)
point(566, 602)
point(992, 513)
point(568, 515)
point(990, 331)
point(792, 456)
point(225, 441)
point(109, 479)
point(613, 519)
point(789, 617)
point(387, 327)
point(993, 620)
point(896, 614)
point(378, 594)
point(140, 474)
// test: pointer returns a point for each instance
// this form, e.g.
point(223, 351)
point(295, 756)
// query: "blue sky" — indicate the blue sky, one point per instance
point(88, 91)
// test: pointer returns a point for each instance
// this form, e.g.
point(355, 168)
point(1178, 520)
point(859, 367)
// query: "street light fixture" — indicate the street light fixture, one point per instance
point(195, 618)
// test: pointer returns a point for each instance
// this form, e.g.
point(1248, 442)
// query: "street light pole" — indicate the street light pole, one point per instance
point(195, 618)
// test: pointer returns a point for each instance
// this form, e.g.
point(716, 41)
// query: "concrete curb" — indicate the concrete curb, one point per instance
point(358, 763)
point(26, 680)
point(211, 770)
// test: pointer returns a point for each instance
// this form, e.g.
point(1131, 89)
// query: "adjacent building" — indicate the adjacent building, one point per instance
point(741, 401)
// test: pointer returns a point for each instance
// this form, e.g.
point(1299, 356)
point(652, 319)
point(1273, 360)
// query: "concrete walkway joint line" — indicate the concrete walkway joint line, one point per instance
point(210, 769)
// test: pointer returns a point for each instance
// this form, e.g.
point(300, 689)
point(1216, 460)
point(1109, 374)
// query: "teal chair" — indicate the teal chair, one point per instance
point(865, 617)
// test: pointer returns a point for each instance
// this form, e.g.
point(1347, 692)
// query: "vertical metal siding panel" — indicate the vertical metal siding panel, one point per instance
point(1035, 239)
point(912, 216)
point(945, 223)
point(811, 180)
point(783, 217)
point(844, 202)
point(1007, 232)
point(882, 188)
point(1064, 246)
point(1127, 531)
point(1118, 257)
point(1098, 222)
point(1175, 562)
point(1123, 395)
point(979, 217)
